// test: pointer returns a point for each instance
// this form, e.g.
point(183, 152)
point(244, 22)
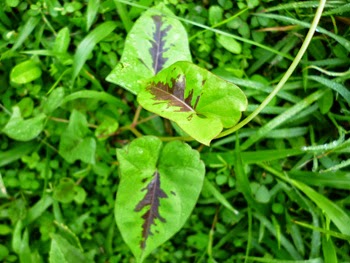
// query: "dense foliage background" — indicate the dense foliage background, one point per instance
point(53, 195)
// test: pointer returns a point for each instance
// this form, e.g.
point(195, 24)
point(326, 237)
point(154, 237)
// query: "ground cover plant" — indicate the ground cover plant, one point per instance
point(174, 131)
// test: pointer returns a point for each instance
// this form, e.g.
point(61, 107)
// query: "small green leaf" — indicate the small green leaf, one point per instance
point(230, 44)
point(54, 100)
point(12, 3)
point(26, 105)
point(106, 128)
point(62, 41)
point(262, 194)
point(24, 130)
point(25, 72)
point(201, 103)
point(5, 230)
point(325, 102)
point(215, 14)
point(155, 42)
point(64, 192)
point(75, 143)
point(3, 252)
point(158, 189)
point(317, 50)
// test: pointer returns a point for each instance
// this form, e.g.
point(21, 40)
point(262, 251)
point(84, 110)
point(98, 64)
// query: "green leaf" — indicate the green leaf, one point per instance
point(25, 72)
point(329, 250)
point(54, 100)
point(64, 192)
point(201, 103)
point(75, 143)
point(325, 102)
point(158, 189)
point(88, 43)
point(4, 252)
point(106, 128)
point(155, 42)
point(62, 41)
point(230, 44)
point(24, 130)
point(27, 29)
point(64, 252)
point(92, 9)
point(12, 3)
point(26, 106)
point(215, 14)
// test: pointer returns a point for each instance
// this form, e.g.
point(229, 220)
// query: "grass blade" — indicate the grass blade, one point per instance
point(16, 152)
point(88, 43)
point(342, 90)
point(92, 9)
point(336, 214)
point(279, 120)
point(26, 31)
point(215, 192)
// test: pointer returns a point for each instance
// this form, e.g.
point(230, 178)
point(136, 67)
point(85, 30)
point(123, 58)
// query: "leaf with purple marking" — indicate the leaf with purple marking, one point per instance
point(201, 103)
point(155, 42)
point(158, 189)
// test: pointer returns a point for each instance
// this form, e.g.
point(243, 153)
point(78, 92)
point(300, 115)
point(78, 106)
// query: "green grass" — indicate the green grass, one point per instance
point(277, 184)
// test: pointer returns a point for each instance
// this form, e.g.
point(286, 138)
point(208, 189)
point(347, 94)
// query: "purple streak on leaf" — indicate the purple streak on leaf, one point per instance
point(157, 49)
point(151, 199)
point(173, 94)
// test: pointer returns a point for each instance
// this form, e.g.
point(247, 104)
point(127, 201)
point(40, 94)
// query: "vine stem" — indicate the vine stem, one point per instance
point(285, 77)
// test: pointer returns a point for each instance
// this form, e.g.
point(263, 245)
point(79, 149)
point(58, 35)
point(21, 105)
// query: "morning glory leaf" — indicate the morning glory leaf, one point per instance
point(155, 42)
point(21, 129)
point(151, 204)
point(77, 142)
point(201, 103)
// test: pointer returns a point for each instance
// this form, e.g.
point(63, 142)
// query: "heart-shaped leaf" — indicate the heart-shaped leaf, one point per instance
point(75, 143)
point(24, 130)
point(159, 188)
point(201, 103)
point(156, 41)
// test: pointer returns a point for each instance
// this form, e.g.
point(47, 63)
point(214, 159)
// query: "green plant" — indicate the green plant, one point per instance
point(166, 181)
point(193, 183)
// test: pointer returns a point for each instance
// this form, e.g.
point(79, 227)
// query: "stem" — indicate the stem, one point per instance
point(286, 76)
point(136, 116)
point(136, 132)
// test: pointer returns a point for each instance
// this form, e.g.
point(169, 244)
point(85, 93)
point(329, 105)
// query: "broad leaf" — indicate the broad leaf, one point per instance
point(158, 189)
point(201, 103)
point(24, 130)
point(75, 143)
point(155, 42)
